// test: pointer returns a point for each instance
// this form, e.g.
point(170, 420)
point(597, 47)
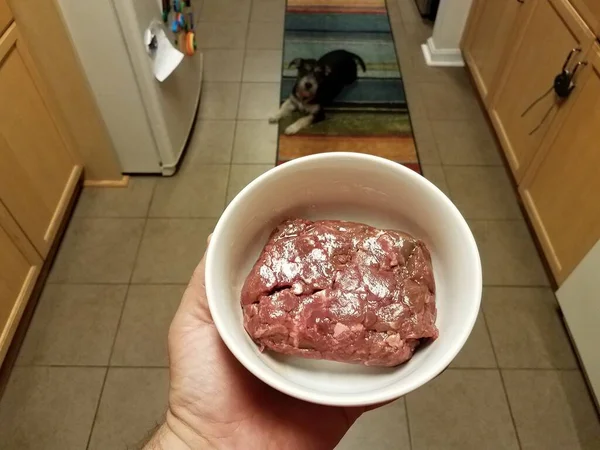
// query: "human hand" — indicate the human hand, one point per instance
point(215, 403)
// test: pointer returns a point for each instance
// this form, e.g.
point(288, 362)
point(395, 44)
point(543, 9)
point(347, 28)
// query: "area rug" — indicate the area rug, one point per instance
point(371, 116)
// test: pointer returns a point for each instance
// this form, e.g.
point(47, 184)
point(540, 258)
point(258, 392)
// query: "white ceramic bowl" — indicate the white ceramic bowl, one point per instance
point(361, 188)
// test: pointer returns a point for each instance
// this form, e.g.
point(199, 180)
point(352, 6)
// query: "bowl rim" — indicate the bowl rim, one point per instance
point(387, 393)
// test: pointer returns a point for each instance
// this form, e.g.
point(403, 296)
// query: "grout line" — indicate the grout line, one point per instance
point(114, 341)
point(410, 438)
point(510, 411)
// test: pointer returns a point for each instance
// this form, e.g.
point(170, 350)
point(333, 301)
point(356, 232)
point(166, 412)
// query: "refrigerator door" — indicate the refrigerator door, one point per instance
point(171, 106)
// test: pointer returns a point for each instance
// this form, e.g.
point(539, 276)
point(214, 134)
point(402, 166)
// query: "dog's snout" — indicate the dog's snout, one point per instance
point(308, 85)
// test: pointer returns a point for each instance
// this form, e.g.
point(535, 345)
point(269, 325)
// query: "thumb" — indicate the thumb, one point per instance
point(194, 301)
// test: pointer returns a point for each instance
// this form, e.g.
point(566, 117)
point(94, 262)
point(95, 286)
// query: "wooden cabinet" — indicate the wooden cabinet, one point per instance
point(37, 173)
point(489, 34)
point(524, 107)
point(6, 16)
point(38, 177)
point(19, 268)
point(590, 12)
point(562, 187)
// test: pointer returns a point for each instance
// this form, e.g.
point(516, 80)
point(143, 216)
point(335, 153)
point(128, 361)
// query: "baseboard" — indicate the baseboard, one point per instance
point(441, 57)
point(123, 182)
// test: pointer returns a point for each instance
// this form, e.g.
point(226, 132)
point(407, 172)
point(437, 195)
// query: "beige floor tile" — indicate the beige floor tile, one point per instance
point(171, 249)
point(219, 100)
point(222, 65)
point(450, 101)
point(255, 142)
point(383, 428)
point(241, 175)
point(552, 410)
point(461, 410)
point(221, 35)
point(131, 201)
point(435, 174)
point(267, 11)
point(73, 325)
point(508, 255)
point(134, 401)
point(97, 251)
point(258, 100)
point(265, 35)
point(49, 408)
point(414, 99)
point(410, 13)
point(477, 351)
point(426, 145)
point(262, 65)
point(482, 192)
point(142, 337)
point(211, 143)
point(526, 329)
point(196, 191)
point(225, 10)
point(468, 143)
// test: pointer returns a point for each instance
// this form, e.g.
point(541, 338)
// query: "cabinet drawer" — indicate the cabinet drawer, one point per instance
point(524, 106)
point(6, 16)
point(19, 268)
point(37, 173)
point(489, 33)
point(562, 187)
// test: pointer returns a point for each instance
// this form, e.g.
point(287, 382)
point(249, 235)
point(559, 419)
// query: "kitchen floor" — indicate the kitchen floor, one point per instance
point(92, 372)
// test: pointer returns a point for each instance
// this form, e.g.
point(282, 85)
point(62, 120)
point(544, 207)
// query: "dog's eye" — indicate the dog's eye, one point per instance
point(308, 67)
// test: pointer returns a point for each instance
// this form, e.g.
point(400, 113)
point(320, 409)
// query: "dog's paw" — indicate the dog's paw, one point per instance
point(292, 129)
point(273, 119)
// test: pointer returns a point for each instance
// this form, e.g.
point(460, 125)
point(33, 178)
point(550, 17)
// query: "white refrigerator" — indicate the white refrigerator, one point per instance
point(148, 121)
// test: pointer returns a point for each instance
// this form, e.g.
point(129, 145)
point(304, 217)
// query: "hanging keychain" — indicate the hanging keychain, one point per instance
point(190, 36)
point(562, 86)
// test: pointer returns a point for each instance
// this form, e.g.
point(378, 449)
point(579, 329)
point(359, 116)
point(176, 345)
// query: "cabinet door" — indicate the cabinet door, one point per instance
point(551, 30)
point(561, 191)
point(19, 268)
point(6, 16)
point(37, 173)
point(488, 34)
point(590, 11)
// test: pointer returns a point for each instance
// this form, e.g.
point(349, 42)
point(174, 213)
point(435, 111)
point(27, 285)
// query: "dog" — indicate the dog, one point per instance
point(318, 83)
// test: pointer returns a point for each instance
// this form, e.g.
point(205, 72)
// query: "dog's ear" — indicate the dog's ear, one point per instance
point(297, 63)
point(327, 70)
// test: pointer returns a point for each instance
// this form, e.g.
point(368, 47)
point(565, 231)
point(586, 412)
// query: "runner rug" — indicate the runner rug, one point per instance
point(371, 116)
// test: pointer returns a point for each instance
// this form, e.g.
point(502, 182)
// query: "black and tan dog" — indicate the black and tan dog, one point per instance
point(318, 83)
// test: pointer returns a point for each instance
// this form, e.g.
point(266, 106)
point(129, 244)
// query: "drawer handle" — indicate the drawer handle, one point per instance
point(562, 86)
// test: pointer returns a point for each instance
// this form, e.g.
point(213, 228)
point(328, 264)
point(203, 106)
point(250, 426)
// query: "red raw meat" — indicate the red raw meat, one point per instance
point(341, 291)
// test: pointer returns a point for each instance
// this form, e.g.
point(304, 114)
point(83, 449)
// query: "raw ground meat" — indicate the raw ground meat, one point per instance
point(341, 291)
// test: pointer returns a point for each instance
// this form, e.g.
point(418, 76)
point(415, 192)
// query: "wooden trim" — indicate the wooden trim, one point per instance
point(69, 96)
point(17, 311)
point(7, 41)
point(123, 182)
point(61, 208)
point(592, 18)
